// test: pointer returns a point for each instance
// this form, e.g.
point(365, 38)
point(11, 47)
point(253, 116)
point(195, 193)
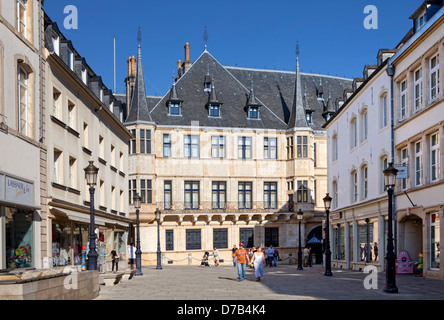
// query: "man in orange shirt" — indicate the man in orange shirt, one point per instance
point(242, 259)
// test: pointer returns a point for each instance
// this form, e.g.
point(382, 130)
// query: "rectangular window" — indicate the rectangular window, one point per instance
point(169, 240)
point(434, 77)
point(335, 195)
point(383, 112)
point(364, 175)
point(314, 155)
point(220, 238)
point(146, 191)
point(214, 110)
point(354, 186)
point(58, 168)
point(246, 236)
point(21, 16)
point(167, 195)
point(418, 164)
point(244, 147)
point(272, 237)
point(270, 148)
point(132, 189)
point(56, 103)
point(191, 146)
point(22, 105)
point(219, 194)
point(403, 100)
point(302, 191)
point(72, 115)
point(192, 195)
point(418, 89)
point(335, 147)
point(302, 147)
point(218, 147)
point(145, 141)
point(102, 193)
point(404, 162)
point(70, 60)
point(193, 239)
point(101, 148)
point(174, 109)
point(166, 145)
point(434, 157)
point(132, 144)
point(72, 173)
point(290, 147)
point(270, 195)
point(85, 135)
point(245, 193)
point(384, 165)
point(354, 133)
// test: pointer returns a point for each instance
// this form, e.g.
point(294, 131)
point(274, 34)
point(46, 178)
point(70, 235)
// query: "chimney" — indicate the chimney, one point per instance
point(187, 63)
point(179, 70)
point(130, 80)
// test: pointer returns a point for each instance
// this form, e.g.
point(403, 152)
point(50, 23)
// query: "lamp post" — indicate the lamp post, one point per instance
point(327, 205)
point(137, 201)
point(300, 215)
point(390, 258)
point(91, 172)
point(159, 264)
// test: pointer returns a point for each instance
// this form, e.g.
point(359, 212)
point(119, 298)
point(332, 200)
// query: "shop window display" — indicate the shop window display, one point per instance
point(19, 238)
point(81, 237)
point(434, 241)
point(61, 243)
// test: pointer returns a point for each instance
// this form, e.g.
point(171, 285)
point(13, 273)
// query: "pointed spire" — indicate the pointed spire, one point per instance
point(252, 102)
point(329, 108)
point(205, 37)
point(139, 105)
point(297, 116)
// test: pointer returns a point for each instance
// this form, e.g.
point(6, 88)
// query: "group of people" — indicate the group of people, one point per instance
point(255, 258)
point(115, 258)
point(368, 251)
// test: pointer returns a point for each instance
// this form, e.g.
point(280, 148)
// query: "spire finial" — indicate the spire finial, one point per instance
point(205, 37)
point(297, 49)
point(139, 36)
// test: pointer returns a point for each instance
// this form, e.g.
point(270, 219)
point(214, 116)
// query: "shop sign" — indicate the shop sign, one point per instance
point(2, 186)
point(19, 191)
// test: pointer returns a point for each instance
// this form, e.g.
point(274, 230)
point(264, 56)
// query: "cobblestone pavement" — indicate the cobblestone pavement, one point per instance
point(285, 282)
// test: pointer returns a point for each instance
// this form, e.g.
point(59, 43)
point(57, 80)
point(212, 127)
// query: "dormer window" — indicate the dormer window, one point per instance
point(101, 94)
point(56, 44)
point(174, 108)
point(70, 59)
point(253, 112)
point(84, 78)
point(420, 21)
point(214, 110)
point(320, 95)
point(207, 86)
point(309, 116)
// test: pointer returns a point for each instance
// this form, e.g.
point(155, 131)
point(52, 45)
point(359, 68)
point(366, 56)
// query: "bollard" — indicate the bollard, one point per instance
point(190, 259)
point(163, 259)
point(290, 258)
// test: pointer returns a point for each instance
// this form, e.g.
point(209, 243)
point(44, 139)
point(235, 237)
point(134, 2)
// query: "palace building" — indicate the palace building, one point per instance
point(229, 155)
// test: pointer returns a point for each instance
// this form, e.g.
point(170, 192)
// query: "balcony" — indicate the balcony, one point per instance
point(210, 207)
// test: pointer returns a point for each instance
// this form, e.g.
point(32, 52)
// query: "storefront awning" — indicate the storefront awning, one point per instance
point(85, 218)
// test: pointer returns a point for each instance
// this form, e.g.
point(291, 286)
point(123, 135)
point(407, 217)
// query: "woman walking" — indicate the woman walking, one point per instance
point(258, 263)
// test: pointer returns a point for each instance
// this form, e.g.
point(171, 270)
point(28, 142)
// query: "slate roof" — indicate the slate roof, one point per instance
point(233, 87)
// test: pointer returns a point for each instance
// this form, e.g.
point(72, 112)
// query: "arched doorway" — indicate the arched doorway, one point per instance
point(410, 236)
point(314, 242)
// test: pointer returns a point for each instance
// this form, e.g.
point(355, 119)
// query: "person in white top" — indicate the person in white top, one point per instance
point(132, 256)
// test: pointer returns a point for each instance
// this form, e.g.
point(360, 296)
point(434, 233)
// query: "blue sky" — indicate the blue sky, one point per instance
point(246, 33)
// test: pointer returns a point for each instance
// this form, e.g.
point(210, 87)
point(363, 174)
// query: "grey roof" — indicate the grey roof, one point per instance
point(276, 92)
point(297, 115)
point(138, 110)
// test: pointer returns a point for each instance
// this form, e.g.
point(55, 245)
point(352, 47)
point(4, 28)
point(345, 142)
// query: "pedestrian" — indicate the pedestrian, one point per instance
point(233, 251)
point(250, 255)
point(376, 251)
point(132, 256)
point(306, 256)
point(115, 260)
point(258, 263)
point(271, 256)
point(242, 259)
point(215, 254)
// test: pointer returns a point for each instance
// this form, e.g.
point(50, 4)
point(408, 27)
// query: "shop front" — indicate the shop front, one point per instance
point(18, 216)
point(70, 233)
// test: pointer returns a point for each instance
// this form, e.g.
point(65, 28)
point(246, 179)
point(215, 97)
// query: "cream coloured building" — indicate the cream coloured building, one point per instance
point(419, 135)
point(82, 124)
point(20, 134)
point(228, 155)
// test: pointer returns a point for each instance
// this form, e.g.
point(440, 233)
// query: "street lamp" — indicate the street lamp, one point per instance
point(390, 258)
point(300, 215)
point(327, 205)
point(159, 264)
point(91, 172)
point(137, 201)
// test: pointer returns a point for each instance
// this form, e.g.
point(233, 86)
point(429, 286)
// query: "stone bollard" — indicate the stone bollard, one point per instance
point(190, 259)
point(290, 258)
point(163, 258)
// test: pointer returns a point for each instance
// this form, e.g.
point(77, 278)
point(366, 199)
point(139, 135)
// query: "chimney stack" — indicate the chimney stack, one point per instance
point(187, 63)
point(179, 70)
point(130, 81)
